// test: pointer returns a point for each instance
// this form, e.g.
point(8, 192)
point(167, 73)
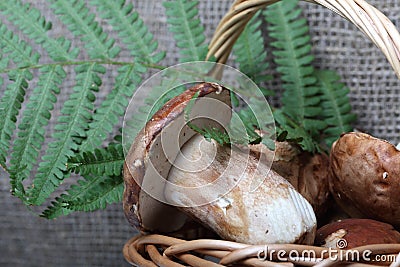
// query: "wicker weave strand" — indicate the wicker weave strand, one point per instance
point(366, 17)
point(228, 253)
point(145, 250)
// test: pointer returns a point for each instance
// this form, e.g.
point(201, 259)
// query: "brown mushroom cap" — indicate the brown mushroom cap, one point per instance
point(365, 179)
point(351, 233)
point(147, 160)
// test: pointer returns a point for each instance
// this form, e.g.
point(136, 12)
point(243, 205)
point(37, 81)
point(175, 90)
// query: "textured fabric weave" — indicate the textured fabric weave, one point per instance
point(96, 239)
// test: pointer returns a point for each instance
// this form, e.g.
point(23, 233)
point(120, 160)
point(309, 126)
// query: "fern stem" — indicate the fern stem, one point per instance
point(82, 62)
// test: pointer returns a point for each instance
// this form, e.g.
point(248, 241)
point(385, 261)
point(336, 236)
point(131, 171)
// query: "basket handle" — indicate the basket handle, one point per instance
point(366, 17)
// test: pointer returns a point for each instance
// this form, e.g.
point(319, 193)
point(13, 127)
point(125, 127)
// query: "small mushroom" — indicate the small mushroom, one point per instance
point(173, 174)
point(365, 179)
point(351, 233)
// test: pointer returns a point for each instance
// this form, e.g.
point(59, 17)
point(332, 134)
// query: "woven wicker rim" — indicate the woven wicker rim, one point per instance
point(366, 17)
point(385, 36)
point(230, 253)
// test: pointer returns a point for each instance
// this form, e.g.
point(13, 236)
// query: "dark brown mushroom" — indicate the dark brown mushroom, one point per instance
point(351, 233)
point(365, 179)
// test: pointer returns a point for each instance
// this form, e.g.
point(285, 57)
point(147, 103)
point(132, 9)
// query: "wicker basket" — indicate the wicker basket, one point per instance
point(159, 250)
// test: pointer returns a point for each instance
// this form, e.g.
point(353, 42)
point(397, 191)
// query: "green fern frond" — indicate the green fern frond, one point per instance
point(336, 108)
point(289, 130)
point(243, 125)
point(104, 161)
point(184, 23)
point(91, 193)
point(131, 29)
point(70, 130)
point(31, 23)
point(16, 52)
point(31, 134)
point(106, 190)
point(10, 105)
point(251, 54)
point(292, 54)
point(81, 22)
point(113, 107)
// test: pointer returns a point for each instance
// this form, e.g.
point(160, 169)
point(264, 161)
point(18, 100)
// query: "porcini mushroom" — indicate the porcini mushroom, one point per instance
point(209, 182)
point(352, 233)
point(274, 213)
point(148, 161)
point(365, 177)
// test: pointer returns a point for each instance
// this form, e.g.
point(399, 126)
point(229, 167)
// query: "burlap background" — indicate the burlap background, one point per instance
point(96, 239)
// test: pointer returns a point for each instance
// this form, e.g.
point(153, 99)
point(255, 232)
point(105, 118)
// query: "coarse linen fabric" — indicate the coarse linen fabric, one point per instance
point(97, 238)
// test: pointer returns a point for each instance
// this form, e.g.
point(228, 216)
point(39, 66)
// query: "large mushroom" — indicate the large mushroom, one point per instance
point(173, 173)
point(365, 179)
point(149, 161)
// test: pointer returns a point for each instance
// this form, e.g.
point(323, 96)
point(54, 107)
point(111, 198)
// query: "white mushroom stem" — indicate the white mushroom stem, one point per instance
point(220, 196)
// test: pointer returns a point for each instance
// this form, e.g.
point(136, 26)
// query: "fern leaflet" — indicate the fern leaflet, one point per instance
point(113, 107)
point(141, 44)
point(31, 23)
point(31, 134)
point(70, 130)
point(81, 22)
point(292, 53)
point(289, 130)
point(18, 51)
point(108, 190)
point(20, 54)
point(10, 105)
point(183, 21)
point(250, 53)
point(336, 108)
point(105, 161)
point(92, 192)
point(133, 33)
point(293, 56)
